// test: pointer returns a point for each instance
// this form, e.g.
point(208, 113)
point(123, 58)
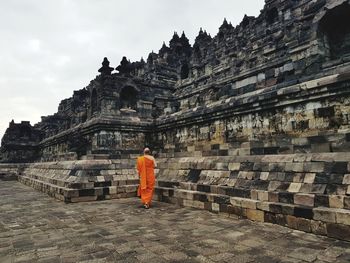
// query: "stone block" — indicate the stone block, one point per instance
point(287, 209)
point(338, 231)
point(298, 177)
point(324, 215)
point(112, 190)
point(72, 193)
point(318, 188)
point(336, 178)
point(223, 209)
point(264, 175)
point(336, 201)
point(254, 194)
point(187, 203)
point(304, 224)
point(198, 205)
point(309, 178)
point(234, 210)
point(255, 215)
point(343, 216)
point(222, 199)
point(292, 221)
point(98, 191)
point(210, 198)
point(273, 197)
point(276, 167)
point(130, 188)
point(320, 147)
point(263, 195)
point(248, 203)
point(215, 207)
point(270, 218)
point(285, 197)
point(235, 201)
point(297, 167)
point(306, 188)
point(304, 199)
point(347, 202)
point(318, 228)
point(346, 179)
point(264, 206)
point(303, 212)
point(314, 167)
point(274, 185)
point(214, 189)
point(294, 187)
point(234, 166)
point(207, 206)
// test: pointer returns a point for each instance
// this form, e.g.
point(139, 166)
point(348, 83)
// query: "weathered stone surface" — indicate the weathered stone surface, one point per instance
point(253, 122)
point(51, 231)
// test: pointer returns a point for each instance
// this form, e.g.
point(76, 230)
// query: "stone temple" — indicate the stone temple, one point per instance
point(254, 121)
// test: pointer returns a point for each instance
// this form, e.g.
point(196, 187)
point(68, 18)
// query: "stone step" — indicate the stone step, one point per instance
point(95, 157)
point(73, 181)
point(295, 198)
point(320, 220)
point(79, 195)
point(8, 177)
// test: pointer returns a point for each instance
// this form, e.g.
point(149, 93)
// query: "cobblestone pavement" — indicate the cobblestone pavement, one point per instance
point(37, 228)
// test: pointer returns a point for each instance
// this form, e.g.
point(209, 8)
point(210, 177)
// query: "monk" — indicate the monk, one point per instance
point(145, 168)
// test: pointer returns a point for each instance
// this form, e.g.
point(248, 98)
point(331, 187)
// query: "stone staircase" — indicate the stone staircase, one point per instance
point(85, 180)
point(308, 192)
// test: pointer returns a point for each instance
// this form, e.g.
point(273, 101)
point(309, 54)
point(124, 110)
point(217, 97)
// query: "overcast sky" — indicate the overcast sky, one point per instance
point(49, 48)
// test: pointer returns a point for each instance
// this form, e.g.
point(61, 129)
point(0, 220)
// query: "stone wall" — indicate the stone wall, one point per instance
point(253, 121)
point(308, 117)
point(308, 192)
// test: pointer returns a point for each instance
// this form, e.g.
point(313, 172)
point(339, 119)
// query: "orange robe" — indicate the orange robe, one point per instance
point(145, 168)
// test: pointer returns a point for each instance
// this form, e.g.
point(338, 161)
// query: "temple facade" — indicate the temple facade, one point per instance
point(258, 114)
point(269, 82)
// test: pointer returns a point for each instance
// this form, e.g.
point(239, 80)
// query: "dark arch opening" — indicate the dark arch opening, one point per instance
point(272, 16)
point(334, 30)
point(185, 71)
point(128, 98)
point(94, 104)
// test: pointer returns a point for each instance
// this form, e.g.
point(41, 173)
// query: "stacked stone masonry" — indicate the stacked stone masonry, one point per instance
point(254, 121)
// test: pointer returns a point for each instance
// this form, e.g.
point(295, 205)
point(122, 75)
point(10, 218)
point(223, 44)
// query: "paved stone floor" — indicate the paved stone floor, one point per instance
point(37, 228)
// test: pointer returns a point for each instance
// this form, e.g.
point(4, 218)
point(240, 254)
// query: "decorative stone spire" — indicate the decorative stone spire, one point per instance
point(225, 26)
point(164, 49)
point(151, 58)
point(125, 66)
point(246, 20)
point(202, 36)
point(105, 69)
point(175, 40)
